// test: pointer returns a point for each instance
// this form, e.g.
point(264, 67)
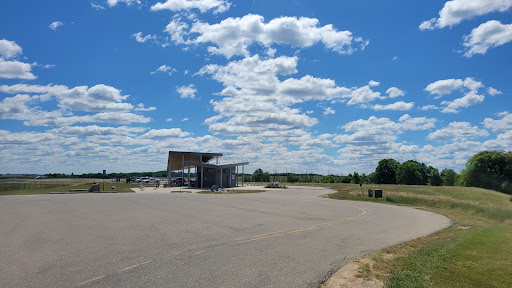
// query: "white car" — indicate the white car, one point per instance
point(150, 180)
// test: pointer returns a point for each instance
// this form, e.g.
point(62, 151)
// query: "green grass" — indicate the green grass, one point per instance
point(475, 252)
point(119, 187)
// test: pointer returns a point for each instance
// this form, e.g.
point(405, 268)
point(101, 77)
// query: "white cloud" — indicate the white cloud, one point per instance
point(143, 39)
point(443, 87)
point(429, 107)
point(363, 95)
point(184, 119)
point(397, 106)
point(165, 133)
point(187, 91)
point(96, 130)
point(501, 125)
point(469, 99)
point(456, 11)
point(164, 69)
point(168, 119)
point(329, 111)
point(395, 58)
point(9, 49)
point(15, 69)
point(140, 107)
point(373, 83)
point(97, 6)
point(113, 3)
point(488, 35)
point(457, 132)
point(55, 24)
point(394, 92)
point(233, 36)
point(218, 6)
point(493, 91)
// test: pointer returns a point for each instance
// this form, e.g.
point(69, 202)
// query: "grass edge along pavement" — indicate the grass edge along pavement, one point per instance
point(474, 252)
point(120, 187)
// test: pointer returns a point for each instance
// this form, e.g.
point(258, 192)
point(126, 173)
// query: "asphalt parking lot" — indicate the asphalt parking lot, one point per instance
point(282, 238)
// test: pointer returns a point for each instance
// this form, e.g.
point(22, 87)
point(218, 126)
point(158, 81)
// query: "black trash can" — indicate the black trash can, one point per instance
point(370, 193)
point(378, 193)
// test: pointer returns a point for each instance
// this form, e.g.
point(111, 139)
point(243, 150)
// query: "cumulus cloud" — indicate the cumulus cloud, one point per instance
point(493, 91)
point(16, 70)
point(233, 36)
point(488, 35)
point(501, 125)
point(164, 69)
point(470, 87)
point(394, 92)
point(456, 11)
point(55, 24)
point(457, 131)
point(469, 99)
point(187, 91)
point(9, 49)
point(373, 83)
point(165, 133)
point(218, 6)
point(113, 3)
point(443, 87)
point(329, 111)
point(97, 6)
point(397, 106)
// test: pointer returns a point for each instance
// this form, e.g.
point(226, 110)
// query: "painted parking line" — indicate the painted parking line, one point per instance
point(94, 279)
point(136, 265)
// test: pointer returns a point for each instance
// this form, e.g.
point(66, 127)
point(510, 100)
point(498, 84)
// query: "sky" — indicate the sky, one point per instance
point(327, 87)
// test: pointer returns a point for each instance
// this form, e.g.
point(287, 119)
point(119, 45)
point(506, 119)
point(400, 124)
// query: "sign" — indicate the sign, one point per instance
point(104, 173)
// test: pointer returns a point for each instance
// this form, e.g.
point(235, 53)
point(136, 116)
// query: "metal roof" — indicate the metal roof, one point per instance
point(176, 158)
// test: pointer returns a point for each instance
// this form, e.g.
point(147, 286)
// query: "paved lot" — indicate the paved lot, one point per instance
point(284, 238)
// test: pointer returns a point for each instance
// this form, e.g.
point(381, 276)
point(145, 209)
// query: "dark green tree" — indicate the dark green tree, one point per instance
point(449, 177)
point(409, 173)
point(356, 179)
point(260, 176)
point(490, 170)
point(434, 177)
point(385, 173)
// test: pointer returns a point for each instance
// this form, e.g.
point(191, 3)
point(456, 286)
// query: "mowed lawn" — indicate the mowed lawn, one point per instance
point(475, 252)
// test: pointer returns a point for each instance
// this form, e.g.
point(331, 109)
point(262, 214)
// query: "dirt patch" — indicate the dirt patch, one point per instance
point(356, 274)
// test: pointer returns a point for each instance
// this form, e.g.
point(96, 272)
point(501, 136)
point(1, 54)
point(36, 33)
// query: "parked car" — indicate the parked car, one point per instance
point(150, 180)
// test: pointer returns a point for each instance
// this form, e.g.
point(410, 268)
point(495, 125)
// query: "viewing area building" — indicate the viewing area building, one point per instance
point(207, 174)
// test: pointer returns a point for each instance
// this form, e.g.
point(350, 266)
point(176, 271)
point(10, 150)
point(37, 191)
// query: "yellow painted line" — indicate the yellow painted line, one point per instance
point(197, 253)
point(298, 230)
point(256, 236)
point(85, 282)
point(254, 239)
point(136, 265)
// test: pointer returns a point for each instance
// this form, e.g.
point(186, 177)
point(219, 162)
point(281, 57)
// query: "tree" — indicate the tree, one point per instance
point(449, 177)
point(490, 170)
point(386, 170)
point(355, 178)
point(292, 178)
point(435, 178)
point(260, 176)
point(408, 173)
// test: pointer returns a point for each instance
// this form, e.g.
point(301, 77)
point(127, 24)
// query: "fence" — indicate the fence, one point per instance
point(46, 184)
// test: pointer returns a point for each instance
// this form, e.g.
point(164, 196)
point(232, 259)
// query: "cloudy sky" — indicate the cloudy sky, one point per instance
point(306, 86)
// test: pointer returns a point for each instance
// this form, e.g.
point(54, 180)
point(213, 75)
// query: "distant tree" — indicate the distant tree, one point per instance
point(292, 178)
point(260, 176)
point(490, 170)
point(356, 179)
point(364, 179)
point(409, 173)
point(434, 177)
point(449, 177)
point(386, 170)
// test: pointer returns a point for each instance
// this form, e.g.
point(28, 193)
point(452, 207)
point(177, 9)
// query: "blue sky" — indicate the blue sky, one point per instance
point(303, 86)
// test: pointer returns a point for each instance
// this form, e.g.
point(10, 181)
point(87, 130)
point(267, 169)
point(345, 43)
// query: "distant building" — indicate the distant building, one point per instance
point(208, 174)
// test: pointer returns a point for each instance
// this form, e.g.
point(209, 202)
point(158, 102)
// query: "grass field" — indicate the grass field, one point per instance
point(475, 252)
point(46, 186)
point(235, 191)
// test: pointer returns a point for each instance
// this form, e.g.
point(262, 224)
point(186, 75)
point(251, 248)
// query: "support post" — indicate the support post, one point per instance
point(202, 175)
point(230, 176)
point(182, 169)
point(221, 177)
point(189, 175)
point(169, 170)
point(243, 175)
point(236, 176)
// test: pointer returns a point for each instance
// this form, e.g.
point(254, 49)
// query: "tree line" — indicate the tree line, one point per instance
point(487, 169)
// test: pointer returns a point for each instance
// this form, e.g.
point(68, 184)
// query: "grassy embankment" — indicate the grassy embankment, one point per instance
point(66, 186)
point(475, 252)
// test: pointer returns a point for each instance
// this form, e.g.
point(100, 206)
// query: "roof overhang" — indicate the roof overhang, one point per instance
point(177, 159)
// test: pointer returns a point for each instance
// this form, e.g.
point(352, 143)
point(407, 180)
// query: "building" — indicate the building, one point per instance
point(208, 174)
